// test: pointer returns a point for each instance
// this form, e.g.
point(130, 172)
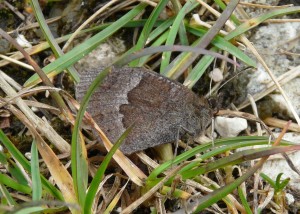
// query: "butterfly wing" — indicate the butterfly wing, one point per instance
point(157, 107)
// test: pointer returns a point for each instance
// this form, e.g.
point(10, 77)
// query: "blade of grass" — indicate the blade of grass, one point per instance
point(100, 172)
point(199, 69)
point(86, 47)
point(114, 202)
point(159, 41)
point(236, 158)
point(217, 195)
point(35, 174)
point(174, 48)
point(45, 45)
point(6, 198)
point(29, 210)
point(147, 29)
point(222, 5)
point(77, 161)
point(229, 144)
point(51, 40)
point(9, 182)
point(164, 26)
point(246, 26)
point(24, 162)
point(188, 6)
point(225, 45)
point(181, 66)
point(244, 201)
point(17, 173)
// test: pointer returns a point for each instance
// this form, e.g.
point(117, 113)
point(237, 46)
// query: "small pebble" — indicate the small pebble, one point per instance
point(230, 127)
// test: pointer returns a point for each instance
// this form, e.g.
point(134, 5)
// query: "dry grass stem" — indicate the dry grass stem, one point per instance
point(22, 64)
point(41, 125)
point(254, 108)
point(271, 121)
point(35, 25)
point(147, 160)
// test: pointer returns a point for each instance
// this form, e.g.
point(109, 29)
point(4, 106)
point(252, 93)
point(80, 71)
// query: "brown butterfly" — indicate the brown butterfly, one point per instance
point(160, 109)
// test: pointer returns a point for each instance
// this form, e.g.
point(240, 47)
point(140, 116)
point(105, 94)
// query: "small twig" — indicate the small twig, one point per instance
point(17, 62)
point(15, 10)
point(35, 24)
point(254, 108)
point(271, 121)
point(246, 116)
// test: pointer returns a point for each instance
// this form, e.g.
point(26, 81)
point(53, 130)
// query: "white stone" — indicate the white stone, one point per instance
point(216, 75)
point(230, 127)
point(290, 199)
point(269, 40)
point(22, 41)
point(103, 55)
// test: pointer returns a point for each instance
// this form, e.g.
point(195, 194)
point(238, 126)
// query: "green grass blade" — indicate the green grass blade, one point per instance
point(220, 146)
point(25, 163)
point(16, 172)
point(222, 5)
point(179, 66)
point(218, 194)
point(148, 28)
point(244, 201)
point(35, 174)
point(268, 180)
point(257, 20)
point(159, 41)
point(157, 32)
point(86, 47)
point(6, 198)
point(51, 40)
point(76, 153)
point(190, 5)
point(199, 69)
point(223, 44)
point(3, 160)
point(100, 172)
point(9, 182)
point(30, 210)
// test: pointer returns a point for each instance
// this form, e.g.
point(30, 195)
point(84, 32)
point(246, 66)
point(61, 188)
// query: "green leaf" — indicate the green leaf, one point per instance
point(268, 180)
point(35, 173)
